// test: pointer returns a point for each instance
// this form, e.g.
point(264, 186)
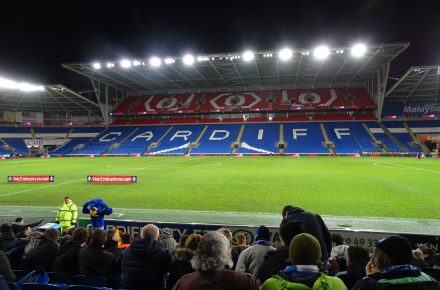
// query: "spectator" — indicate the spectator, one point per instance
point(166, 240)
point(390, 268)
point(93, 259)
point(356, 261)
point(125, 241)
point(228, 234)
point(183, 257)
point(212, 263)
point(40, 251)
point(338, 254)
point(313, 224)
point(251, 259)
point(67, 214)
point(241, 243)
point(111, 245)
point(16, 251)
point(304, 273)
point(182, 240)
point(145, 262)
point(7, 237)
point(19, 228)
point(278, 260)
point(418, 259)
point(5, 268)
point(67, 260)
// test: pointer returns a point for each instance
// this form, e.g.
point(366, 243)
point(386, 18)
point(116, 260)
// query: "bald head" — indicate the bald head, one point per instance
point(150, 232)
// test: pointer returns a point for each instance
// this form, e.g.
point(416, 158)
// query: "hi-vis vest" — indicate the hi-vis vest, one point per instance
point(67, 214)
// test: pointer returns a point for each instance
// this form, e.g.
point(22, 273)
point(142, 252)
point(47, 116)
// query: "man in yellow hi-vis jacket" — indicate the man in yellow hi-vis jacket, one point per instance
point(67, 214)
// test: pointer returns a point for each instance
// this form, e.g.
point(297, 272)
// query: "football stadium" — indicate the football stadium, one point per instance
point(198, 142)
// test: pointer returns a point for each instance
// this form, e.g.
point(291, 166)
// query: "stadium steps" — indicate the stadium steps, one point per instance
point(33, 133)
point(392, 137)
point(326, 139)
point(118, 144)
point(197, 142)
point(281, 138)
point(155, 144)
point(373, 137)
point(240, 134)
point(200, 102)
point(415, 139)
point(68, 133)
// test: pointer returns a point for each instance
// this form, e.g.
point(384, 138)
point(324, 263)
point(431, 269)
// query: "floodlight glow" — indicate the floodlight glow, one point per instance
point(248, 55)
point(188, 59)
point(169, 60)
point(321, 52)
point(24, 87)
point(136, 63)
point(285, 54)
point(358, 50)
point(96, 65)
point(155, 61)
point(110, 65)
point(125, 63)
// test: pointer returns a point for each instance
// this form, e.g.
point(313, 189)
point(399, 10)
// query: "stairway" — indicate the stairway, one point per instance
point(240, 134)
point(195, 143)
point(155, 144)
point(392, 137)
point(326, 139)
point(373, 137)
point(415, 139)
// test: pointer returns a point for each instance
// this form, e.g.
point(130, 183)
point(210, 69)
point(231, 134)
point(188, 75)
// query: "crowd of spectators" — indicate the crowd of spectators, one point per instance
point(308, 257)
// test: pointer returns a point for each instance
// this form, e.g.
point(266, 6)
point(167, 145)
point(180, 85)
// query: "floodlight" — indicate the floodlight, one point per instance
point(169, 60)
point(125, 63)
point(110, 65)
point(188, 59)
point(248, 55)
point(285, 54)
point(358, 50)
point(321, 52)
point(136, 63)
point(96, 65)
point(155, 61)
point(25, 87)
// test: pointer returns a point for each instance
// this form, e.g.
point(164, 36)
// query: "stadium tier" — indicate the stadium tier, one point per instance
point(246, 101)
point(312, 137)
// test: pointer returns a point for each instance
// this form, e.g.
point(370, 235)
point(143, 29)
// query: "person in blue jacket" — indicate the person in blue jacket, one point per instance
point(97, 209)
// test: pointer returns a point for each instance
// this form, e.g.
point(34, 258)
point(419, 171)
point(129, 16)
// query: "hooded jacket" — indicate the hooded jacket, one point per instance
point(314, 225)
point(66, 260)
point(144, 265)
point(318, 281)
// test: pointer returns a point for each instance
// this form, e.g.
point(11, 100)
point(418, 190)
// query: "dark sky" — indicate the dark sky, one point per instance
point(37, 36)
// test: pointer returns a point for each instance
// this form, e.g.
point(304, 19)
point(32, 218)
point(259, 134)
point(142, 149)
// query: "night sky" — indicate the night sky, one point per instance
point(37, 36)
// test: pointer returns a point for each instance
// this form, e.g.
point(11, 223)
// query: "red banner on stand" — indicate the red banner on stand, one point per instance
point(112, 178)
point(31, 178)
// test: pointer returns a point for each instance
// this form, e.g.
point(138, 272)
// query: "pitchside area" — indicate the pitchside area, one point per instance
point(238, 190)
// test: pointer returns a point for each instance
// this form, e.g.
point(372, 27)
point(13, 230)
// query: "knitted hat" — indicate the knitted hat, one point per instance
point(165, 233)
point(397, 248)
point(304, 249)
point(290, 229)
point(262, 233)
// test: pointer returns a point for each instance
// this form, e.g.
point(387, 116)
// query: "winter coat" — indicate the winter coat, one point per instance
point(102, 209)
point(273, 263)
point(144, 265)
point(318, 281)
point(67, 214)
point(15, 252)
point(96, 262)
point(5, 268)
point(314, 225)
point(39, 252)
point(411, 279)
point(181, 266)
point(226, 279)
point(251, 259)
point(354, 273)
point(66, 260)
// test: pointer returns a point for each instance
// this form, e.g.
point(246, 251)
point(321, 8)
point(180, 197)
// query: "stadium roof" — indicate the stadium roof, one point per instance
point(54, 99)
point(230, 72)
point(419, 83)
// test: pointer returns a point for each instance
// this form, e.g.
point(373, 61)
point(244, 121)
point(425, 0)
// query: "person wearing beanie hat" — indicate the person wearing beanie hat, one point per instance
point(278, 260)
point(166, 240)
point(390, 267)
point(251, 259)
point(305, 256)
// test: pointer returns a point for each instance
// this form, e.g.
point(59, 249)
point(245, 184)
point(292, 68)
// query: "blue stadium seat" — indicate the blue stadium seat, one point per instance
point(60, 278)
point(13, 286)
point(97, 281)
point(30, 286)
point(260, 136)
point(304, 138)
point(177, 140)
point(217, 139)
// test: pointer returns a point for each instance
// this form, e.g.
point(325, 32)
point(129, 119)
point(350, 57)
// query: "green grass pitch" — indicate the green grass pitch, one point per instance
point(339, 186)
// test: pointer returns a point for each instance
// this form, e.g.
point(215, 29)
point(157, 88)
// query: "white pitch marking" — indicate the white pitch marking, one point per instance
point(119, 214)
point(405, 166)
